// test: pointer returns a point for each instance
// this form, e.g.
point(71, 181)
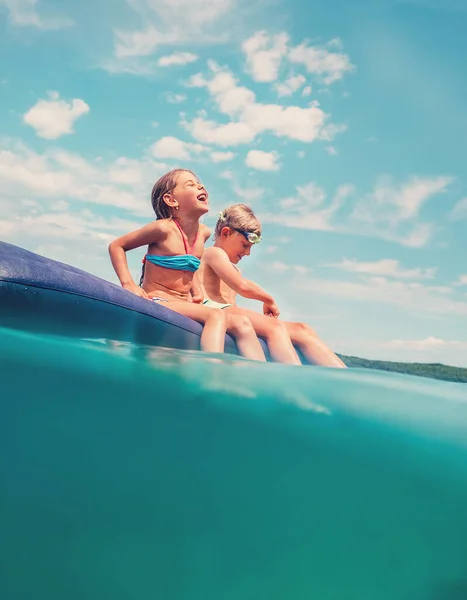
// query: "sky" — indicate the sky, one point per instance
point(342, 124)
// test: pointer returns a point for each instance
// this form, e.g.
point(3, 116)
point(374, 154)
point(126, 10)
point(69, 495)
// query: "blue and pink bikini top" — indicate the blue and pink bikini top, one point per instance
point(178, 262)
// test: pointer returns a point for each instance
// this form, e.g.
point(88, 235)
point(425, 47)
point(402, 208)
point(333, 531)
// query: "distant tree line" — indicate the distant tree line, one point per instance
point(433, 370)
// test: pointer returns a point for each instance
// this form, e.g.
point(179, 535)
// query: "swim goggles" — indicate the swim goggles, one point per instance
point(251, 236)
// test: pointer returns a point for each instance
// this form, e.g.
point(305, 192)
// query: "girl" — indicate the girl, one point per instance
point(175, 245)
point(236, 231)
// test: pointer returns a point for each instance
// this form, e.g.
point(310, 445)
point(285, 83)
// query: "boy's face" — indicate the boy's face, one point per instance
point(235, 245)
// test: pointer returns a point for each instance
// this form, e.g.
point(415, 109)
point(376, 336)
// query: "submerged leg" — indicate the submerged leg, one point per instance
point(247, 341)
point(312, 347)
point(274, 332)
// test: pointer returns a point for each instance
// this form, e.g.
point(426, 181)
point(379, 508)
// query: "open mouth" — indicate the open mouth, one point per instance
point(202, 197)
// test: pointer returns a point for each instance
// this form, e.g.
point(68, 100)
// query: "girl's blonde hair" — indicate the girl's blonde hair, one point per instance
point(238, 216)
point(165, 185)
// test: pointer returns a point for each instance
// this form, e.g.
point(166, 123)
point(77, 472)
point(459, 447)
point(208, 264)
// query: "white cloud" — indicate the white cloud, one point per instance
point(262, 161)
point(264, 55)
point(249, 194)
point(403, 202)
point(290, 85)
point(57, 203)
point(308, 196)
point(60, 175)
point(386, 267)
point(461, 280)
point(252, 117)
point(335, 43)
point(277, 265)
point(417, 297)
point(331, 66)
point(218, 157)
point(331, 151)
point(282, 267)
point(79, 238)
point(308, 209)
point(460, 210)
point(171, 147)
point(427, 344)
point(175, 98)
point(210, 132)
point(140, 43)
point(23, 13)
point(430, 349)
point(177, 58)
point(54, 118)
point(392, 210)
point(389, 213)
point(167, 23)
point(307, 91)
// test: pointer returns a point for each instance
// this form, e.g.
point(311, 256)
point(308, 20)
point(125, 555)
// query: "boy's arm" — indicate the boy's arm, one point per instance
point(149, 234)
point(219, 262)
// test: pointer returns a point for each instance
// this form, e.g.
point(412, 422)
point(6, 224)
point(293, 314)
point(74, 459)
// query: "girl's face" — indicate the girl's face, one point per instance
point(234, 244)
point(190, 195)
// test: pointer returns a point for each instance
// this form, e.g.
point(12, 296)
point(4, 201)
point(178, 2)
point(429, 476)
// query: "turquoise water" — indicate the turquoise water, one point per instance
point(132, 473)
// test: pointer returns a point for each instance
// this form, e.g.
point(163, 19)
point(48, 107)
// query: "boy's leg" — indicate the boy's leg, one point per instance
point(274, 332)
point(312, 347)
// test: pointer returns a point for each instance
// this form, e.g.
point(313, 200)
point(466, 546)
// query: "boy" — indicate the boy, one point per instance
point(237, 230)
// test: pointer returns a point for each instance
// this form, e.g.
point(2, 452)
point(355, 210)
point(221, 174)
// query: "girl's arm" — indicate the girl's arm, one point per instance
point(197, 292)
point(149, 234)
point(219, 262)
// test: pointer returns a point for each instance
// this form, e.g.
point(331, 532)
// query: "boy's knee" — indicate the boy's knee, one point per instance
point(304, 329)
point(241, 325)
point(218, 316)
point(277, 327)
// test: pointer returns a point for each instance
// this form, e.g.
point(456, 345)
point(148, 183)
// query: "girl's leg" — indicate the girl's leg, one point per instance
point(247, 340)
point(274, 332)
point(213, 321)
point(213, 336)
point(313, 348)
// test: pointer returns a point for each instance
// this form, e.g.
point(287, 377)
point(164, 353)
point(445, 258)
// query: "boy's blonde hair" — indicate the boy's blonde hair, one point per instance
point(238, 216)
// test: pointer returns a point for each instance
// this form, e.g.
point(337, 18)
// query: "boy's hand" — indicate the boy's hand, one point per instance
point(135, 289)
point(271, 309)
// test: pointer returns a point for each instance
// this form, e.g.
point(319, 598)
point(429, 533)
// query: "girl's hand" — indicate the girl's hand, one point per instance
point(271, 309)
point(197, 298)
point(135, 289)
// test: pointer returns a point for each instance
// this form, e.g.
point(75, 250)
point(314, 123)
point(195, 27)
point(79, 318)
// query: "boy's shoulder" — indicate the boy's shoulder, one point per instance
point(214, 251)
point(214, 254)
